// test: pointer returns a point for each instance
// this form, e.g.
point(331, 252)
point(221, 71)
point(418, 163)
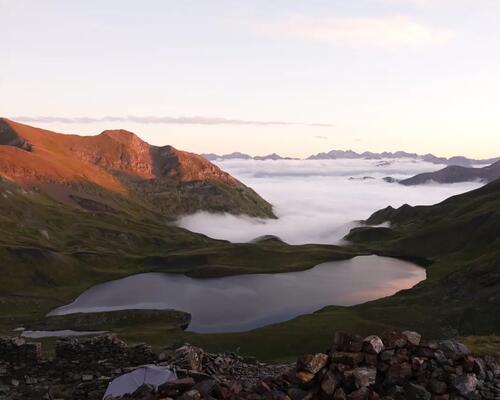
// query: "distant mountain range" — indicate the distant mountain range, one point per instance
point(242, 156)
point(367, 155)
point(455, 174)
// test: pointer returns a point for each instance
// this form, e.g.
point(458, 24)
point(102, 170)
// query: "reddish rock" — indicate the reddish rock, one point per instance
point(312, 363)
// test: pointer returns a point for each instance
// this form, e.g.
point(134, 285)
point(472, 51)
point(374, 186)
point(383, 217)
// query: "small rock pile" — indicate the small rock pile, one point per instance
point(225, 368)
point(105, 347)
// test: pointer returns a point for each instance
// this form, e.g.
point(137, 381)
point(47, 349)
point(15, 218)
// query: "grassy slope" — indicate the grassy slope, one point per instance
point(461, 296)
point(51, 252)
point(460, 237)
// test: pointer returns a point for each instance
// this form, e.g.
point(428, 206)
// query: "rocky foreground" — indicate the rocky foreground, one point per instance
point(396, 366)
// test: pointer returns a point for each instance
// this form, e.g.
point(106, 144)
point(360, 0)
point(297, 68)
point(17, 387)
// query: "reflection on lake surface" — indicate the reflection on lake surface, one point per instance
point(239, 303)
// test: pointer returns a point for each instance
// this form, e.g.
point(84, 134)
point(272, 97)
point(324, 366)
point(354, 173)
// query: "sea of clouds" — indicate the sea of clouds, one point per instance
point(316, 201)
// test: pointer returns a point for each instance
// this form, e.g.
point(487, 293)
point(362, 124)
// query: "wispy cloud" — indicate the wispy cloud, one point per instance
point(194, 120)
point(385, 32)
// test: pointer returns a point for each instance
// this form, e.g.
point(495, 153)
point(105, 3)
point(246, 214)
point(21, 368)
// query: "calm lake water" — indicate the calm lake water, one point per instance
point(244, 302)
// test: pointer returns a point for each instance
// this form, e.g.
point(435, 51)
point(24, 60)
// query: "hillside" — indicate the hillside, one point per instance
point(51, 251)
point(455, 174)
point(116, 165)
point(457, 240)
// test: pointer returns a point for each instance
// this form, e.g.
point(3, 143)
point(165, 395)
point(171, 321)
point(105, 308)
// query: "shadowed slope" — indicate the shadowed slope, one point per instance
point(455, 174)
point(459, 242)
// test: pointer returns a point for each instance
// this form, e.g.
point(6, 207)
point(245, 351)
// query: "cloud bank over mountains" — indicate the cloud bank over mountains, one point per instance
point(318, 201)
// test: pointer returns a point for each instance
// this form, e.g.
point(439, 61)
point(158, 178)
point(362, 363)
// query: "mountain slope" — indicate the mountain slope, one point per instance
point(455, 174)
point(89, 168)
point(50, 251)
point(461, 238)
point(457, 240)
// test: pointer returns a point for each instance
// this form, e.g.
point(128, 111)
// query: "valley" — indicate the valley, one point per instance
point(62, 233)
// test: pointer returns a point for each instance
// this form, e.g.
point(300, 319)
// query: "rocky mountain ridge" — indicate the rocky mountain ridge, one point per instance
point(349, 154)
point(367, 155)
point(84, 170)
point(243, 156)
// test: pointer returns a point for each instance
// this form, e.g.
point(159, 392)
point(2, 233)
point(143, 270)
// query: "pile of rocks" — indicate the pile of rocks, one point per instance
point(398, 365)
point(226, 368)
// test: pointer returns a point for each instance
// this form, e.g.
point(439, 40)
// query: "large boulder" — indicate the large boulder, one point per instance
point(453, 349)
point(465, 385)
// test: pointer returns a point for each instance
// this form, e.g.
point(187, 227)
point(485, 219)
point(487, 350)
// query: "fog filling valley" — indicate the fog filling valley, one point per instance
point(319, 201)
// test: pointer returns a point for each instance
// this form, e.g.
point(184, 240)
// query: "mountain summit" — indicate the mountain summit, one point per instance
point(115, 162)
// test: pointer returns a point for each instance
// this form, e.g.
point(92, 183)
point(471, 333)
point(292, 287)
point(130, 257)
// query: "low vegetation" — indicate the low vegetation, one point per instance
point(459, 240)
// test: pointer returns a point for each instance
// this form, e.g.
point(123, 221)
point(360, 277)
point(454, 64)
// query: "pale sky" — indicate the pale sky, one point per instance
point(294, 77)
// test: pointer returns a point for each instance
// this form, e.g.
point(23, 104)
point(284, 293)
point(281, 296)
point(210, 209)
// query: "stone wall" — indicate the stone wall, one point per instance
point(17, 350)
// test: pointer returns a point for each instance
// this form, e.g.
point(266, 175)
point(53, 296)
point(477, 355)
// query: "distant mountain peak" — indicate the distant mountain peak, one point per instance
point(119, 134)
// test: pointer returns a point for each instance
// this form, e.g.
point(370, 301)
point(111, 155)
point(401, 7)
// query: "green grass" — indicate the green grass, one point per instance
point(84, 248)
point(458, 239)
point(483, 345)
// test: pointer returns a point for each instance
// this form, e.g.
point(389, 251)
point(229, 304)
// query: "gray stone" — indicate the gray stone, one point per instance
point(454, 349)
point(330, 383)
point(437, 387)
point(359, 394)
point(465, 384)
point(416, 392)
point(364, 376)
point(192, 394)
point(373, 345)
point(339, 394)
point(412, 337)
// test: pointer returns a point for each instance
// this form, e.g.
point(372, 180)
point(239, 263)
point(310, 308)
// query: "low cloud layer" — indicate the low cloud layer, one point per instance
point(194, 120)
point(319, 201)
